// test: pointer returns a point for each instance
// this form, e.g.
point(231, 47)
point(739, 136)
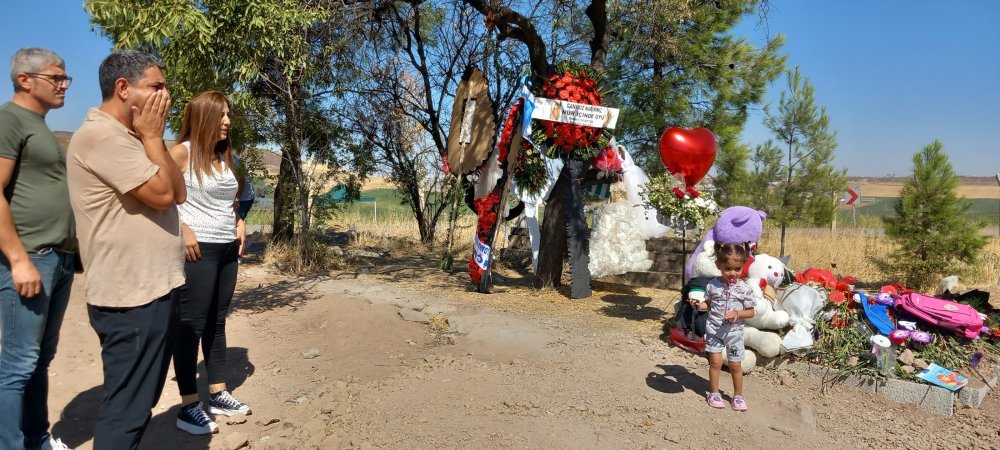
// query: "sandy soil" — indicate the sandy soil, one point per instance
point(329, 363)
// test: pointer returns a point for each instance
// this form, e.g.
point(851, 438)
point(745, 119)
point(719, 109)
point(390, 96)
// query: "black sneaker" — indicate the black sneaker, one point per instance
point(224, 403)
point(193, 419)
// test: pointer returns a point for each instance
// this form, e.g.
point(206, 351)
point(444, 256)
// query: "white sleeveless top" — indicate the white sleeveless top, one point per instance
point(208, 210)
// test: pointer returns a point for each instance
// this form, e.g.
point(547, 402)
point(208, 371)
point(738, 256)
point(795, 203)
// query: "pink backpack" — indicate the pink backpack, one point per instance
point(960, 318)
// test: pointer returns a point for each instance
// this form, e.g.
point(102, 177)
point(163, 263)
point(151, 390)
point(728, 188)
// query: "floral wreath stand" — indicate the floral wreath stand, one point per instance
point(571, 124)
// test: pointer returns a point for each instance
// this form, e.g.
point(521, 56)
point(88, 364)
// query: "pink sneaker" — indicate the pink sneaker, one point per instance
point(739, 403)
point(715, 400)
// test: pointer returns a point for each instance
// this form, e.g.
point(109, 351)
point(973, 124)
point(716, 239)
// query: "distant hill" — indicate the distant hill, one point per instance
point(974, 181)
point(968, 187)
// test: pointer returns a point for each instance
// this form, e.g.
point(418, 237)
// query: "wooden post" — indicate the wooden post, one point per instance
point(508, 176)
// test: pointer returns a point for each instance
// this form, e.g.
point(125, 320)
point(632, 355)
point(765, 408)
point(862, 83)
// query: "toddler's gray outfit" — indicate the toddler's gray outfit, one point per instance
point(724, 298)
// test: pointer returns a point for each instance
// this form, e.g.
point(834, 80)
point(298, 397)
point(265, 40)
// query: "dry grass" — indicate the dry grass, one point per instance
point(891, 189)
point(377, 183)
point(287, 258)
point(852, 249)
point(399, 233)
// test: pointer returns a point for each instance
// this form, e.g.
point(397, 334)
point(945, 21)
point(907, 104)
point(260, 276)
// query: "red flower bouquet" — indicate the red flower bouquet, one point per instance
point(485, 208)
point(507, 132)
point(572, 84)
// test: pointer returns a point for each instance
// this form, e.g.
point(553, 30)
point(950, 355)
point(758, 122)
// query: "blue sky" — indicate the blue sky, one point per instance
point(893, 74)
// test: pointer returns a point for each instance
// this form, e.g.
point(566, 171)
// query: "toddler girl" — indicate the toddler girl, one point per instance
point(728, 300)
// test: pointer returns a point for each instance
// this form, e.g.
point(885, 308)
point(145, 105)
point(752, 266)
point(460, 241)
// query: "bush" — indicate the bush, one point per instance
point(934, 236)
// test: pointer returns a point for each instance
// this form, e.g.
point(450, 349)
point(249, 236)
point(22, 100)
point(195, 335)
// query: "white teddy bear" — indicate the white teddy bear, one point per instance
point(766, 270)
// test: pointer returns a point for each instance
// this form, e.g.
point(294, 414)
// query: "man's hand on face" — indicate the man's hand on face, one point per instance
point(150, 121)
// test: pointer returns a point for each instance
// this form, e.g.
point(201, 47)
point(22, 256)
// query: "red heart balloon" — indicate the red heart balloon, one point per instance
point(688, 153)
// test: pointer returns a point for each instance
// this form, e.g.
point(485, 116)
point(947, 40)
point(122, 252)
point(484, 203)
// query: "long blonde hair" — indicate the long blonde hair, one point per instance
point(200, 126)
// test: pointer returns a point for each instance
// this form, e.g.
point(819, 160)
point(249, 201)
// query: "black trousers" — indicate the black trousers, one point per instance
point(135, 349)
point(204, 305)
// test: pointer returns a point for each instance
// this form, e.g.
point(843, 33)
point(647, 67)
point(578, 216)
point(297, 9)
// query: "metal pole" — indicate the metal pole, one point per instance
point(833, 225)
point(998, 210)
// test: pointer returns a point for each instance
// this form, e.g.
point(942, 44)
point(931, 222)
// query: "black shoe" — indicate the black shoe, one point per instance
point(193, 419)
point(224, 403)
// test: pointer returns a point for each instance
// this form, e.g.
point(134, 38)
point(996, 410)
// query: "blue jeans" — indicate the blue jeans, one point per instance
point(29, 329)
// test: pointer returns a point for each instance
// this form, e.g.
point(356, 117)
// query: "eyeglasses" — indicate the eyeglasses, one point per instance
point(56, 80)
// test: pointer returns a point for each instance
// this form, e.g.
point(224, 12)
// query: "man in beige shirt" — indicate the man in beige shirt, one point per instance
point(124, 188)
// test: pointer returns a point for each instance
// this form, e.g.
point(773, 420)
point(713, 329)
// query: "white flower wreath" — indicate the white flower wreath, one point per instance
point(666, 197)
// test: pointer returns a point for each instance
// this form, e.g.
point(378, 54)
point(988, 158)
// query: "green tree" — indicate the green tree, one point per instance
point(675, 64)
point(401, 109)
point(932, 233)
point(793, 177)
point(278, 62)
point(670, 62)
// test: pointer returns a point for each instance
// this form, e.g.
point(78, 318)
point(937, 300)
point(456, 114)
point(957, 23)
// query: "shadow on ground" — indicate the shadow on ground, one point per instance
point(282, 294)
point(76, 423)
point(630, 306)
point(677, 379)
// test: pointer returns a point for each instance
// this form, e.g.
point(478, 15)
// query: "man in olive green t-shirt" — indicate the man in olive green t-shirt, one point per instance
point(37, 242)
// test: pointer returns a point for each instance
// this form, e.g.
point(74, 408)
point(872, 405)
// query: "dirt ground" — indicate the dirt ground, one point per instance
point(328, 362)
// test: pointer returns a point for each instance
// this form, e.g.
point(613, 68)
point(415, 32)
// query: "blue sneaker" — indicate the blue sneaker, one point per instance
point(193, 419)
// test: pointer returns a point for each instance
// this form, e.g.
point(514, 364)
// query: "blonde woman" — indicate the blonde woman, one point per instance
point(213, 242)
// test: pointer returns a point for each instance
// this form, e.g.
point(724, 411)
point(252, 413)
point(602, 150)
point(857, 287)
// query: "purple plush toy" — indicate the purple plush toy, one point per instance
point(736, 225)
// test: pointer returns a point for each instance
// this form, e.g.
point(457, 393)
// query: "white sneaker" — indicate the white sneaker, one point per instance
point(194, 420)
point(223, 403)
point(54, 444)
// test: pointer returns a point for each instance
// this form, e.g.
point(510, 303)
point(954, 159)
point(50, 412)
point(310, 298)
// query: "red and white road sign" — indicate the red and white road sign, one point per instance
point(853, 194)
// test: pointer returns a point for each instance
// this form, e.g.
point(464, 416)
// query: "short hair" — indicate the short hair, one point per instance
point(127, 64)
point(32, 60)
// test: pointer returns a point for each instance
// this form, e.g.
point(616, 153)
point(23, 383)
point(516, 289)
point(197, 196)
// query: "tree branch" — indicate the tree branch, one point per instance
point(513, 25)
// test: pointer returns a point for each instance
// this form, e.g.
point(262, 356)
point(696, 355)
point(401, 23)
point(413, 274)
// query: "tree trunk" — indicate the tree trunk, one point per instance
point(511, 24)
point(785, 201)
point(454, 195)
point(597, 12)
point(305, 221)
point(284, 195)
point(427, 235)
point(553, 242)
point(421, 224)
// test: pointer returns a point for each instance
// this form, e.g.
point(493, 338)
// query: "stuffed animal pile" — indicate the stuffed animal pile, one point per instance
point(764, 273)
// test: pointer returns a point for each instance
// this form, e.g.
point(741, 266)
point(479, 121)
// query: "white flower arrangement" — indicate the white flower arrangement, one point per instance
point(662, 194)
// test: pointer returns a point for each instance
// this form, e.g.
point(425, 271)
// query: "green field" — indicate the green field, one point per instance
point(386, 204)
point(986, 210)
